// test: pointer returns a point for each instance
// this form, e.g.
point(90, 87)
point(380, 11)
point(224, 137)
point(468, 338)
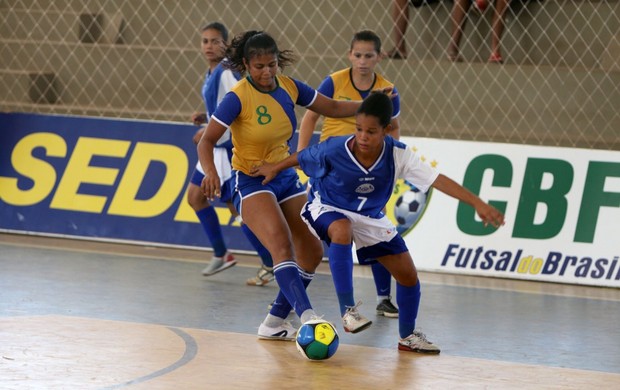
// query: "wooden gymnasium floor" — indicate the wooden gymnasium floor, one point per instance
point(82, 315)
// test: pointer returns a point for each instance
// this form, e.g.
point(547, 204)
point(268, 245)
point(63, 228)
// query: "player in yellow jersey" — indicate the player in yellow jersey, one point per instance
point(259, 110)
point(355, 83)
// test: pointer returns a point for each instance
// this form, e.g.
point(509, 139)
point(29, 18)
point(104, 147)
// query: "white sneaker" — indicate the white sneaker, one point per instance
point(218, 264)
point(284, 332)
point(353, 321)
point(263, 276)
point(417, 342)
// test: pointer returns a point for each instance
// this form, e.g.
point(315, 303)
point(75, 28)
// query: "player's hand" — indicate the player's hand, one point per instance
point(210, 186)
point(198, 118)
point(387, 90)
point(490, 215)
point(266, 169)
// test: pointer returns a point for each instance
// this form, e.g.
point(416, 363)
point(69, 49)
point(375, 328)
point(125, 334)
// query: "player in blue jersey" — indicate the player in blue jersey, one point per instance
point(355, 83)
point(353, 177)
point(218, 81)
point(259, 111)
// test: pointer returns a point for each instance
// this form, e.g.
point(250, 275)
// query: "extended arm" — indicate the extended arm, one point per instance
point(488, 213)
point(334, 108)
point(270, 170)
point(308, 124)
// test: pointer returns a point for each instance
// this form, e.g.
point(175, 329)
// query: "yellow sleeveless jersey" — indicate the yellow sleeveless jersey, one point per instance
point(345, 90)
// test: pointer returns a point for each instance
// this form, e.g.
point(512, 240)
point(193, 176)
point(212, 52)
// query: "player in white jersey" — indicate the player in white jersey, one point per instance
point(353, 177)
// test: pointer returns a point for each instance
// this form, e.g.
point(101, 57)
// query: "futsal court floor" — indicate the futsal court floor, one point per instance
point(83, 315)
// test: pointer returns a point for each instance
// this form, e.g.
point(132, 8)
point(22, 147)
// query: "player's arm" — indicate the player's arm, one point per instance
point(488, 213)
point(211, 182)
point(271, 170)
point(308, 124)
point(334, 108)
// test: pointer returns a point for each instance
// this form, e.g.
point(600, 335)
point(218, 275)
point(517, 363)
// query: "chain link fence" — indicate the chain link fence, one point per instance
point(559, 84)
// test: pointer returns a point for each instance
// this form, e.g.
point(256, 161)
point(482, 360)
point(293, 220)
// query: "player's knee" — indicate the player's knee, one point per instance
point(196, 199)
point(408, 279)
point(340, 232)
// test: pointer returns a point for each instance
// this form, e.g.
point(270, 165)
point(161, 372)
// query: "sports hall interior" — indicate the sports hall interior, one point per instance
point(99, 314)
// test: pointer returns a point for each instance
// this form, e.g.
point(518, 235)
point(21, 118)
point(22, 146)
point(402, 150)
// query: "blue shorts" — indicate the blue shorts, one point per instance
point(226, 190)
point(284, 186)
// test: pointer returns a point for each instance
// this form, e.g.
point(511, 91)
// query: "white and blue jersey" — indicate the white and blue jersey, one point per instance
point(344, 188)
point(341, 181)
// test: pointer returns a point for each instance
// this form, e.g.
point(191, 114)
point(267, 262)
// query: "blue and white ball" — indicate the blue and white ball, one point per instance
point(409, 207)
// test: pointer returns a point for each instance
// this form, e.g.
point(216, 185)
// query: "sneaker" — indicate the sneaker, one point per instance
point(417, 342)
point(263, 276)
point(218, 264)
point(386, 308)
point(284, 332)
point(353, 321)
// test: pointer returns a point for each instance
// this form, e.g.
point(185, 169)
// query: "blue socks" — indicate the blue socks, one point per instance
point(211, 225)
point(341, 265)
point(264, 254)
point(383, 280)
point(293, 282)
point(408, 300)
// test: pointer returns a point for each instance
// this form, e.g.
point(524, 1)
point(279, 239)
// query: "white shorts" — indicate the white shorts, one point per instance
point(366, 231)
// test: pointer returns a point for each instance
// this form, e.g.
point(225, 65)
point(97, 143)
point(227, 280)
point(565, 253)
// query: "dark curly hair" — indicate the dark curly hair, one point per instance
point(379, 105)
point(251, 44)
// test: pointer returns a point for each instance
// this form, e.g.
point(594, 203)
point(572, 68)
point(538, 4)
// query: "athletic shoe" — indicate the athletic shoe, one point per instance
point(218, 264)
point(284, 332)
point(263, 276)
point(417, 342)
point(353, 321)
point(387, 309)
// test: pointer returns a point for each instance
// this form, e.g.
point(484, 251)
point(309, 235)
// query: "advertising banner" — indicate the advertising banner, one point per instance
point(125, 181)
point(117, 180)
point(562, 209)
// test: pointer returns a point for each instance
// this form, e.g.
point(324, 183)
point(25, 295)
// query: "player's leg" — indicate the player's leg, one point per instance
point(335, 229)
point(267, 220)
point(383, 285)
point(210, 223)
point(408, 295)
point(341, 266)
point(264, 274)
point(308, 248)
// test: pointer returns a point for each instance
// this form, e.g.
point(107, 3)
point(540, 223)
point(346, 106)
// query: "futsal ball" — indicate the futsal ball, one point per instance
point(408, 208)
point(317, 340)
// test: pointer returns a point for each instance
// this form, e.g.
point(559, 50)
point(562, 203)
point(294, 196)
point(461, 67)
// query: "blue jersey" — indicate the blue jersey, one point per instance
point(339, 180)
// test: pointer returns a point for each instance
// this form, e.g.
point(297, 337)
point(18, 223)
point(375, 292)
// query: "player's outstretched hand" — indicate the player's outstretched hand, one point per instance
point(266, 169)
point(490, 215)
